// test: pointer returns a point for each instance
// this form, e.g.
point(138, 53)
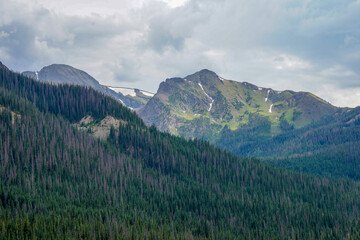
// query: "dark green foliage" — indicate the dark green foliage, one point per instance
point(296, 115)
point(221, 109)
point(58, 183)
point(5, 117)
point(329, 147)
point(237, 104)
point(201, 127)
point(246, 135)
point(248, 98)
point(285, 125)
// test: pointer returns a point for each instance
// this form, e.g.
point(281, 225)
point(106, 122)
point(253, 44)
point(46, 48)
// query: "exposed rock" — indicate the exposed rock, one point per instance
point(100, 129)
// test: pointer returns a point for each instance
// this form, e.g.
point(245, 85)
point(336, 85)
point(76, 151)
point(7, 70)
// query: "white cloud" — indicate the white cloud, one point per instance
point(283, 44)
point(175, 3)
point(338, 71)
point(348, 97)
point(286, 62)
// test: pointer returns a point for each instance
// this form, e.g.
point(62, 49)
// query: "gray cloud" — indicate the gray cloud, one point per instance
point(301, 45)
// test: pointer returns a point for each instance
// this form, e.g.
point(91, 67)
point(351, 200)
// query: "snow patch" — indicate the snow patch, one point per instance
point(212, 100)
point(267, 97)
point(211, 104)
point(187, 80)
point(221, 78)
point(149, 94)
point(124, 91)
point(259, 88)
point(122, 102)
point(271, 108)
point(37, 76)
point(203, 90)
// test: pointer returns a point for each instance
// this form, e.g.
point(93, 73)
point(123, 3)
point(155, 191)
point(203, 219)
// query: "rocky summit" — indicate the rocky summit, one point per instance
point(201, 105)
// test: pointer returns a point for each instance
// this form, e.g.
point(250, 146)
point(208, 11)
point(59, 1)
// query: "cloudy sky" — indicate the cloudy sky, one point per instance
point(301, 45)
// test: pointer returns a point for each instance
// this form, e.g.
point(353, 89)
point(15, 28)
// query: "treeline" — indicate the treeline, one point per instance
point(57, 182)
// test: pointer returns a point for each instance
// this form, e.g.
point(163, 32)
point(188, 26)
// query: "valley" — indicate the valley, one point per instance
point(58, 181)
point(293, 130)
point(179, 120)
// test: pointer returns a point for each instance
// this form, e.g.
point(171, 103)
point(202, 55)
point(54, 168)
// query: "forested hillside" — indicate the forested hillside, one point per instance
point(294, 130)
point(57, 182)
point(330, 146)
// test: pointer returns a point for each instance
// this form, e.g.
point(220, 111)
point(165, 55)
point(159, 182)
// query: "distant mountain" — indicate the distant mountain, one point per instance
point(58, 181)
point(202, 104)
point(65, 74)
point(282, 127)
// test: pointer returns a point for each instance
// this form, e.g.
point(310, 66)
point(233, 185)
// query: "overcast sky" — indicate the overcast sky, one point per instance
point(301, 45)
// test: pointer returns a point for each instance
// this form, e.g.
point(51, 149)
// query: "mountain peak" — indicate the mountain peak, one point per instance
point(204, 76)
point(204, 72)
point(59, 65)
point(62, 73)
point(62, 69)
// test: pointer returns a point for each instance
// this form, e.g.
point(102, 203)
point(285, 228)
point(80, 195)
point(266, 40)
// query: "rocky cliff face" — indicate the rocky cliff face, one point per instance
point(203, 104)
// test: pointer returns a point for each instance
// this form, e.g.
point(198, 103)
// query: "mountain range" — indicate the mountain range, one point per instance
point(295, 130)
point(65, 74)
point(61, 180)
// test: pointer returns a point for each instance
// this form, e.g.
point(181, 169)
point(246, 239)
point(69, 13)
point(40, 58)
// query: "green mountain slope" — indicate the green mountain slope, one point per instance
point(253, 121)
point(328, 147)
point(58, 182)
point(296, 130)
point(202, 104)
